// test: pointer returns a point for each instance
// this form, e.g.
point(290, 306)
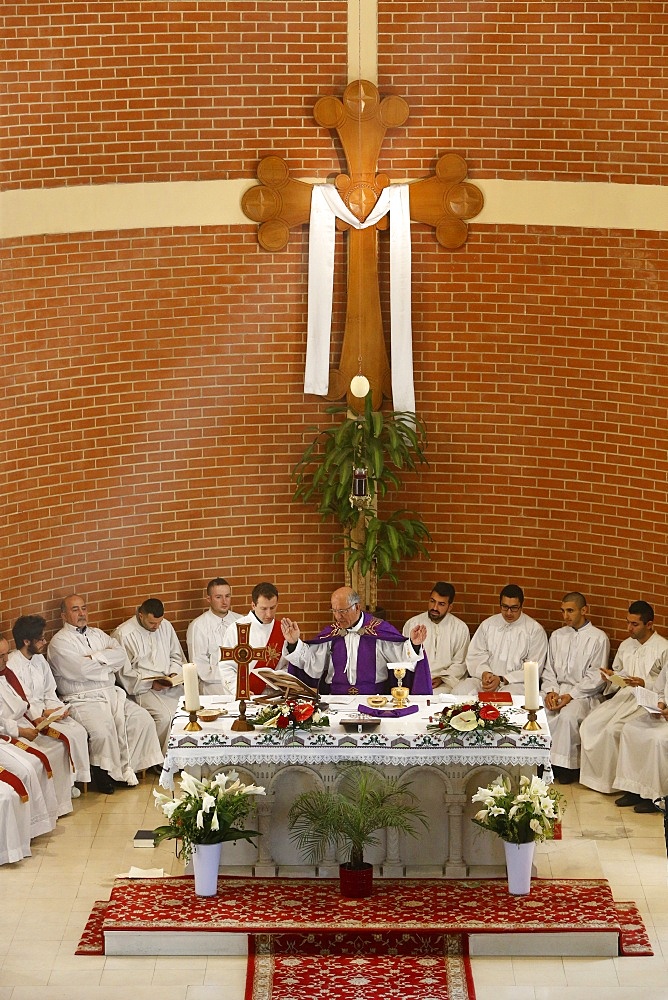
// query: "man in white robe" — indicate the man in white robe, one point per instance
point(206, 633)
point(638, 661)
point(447, 638)
point(642, 765)
point(501, 645)
point(264, 633)
point(15, 723)
point(30, 666)
point(42, 800)
point(121, 734)
point(572, 682)
point(153, 673)
point(14, 823)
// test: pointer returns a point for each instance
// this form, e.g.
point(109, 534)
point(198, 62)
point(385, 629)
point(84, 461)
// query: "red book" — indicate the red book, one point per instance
point(495, 696)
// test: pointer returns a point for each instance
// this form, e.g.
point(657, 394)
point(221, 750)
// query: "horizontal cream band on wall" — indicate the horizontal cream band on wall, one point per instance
point(104, 207)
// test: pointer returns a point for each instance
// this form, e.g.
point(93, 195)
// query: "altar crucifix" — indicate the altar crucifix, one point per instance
point(243, 654)
point(359, 202)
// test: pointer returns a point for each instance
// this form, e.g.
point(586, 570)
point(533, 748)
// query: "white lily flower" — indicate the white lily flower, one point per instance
point(208, 803)
point(170, 807)
point(200, 820)
point(215, 825)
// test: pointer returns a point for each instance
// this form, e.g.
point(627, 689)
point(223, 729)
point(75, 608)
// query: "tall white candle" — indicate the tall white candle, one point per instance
point(531, 693)
point(190, 687)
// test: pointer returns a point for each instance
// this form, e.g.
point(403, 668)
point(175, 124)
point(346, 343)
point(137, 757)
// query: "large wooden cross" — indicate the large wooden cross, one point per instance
point(242, 654)
point(444, 200)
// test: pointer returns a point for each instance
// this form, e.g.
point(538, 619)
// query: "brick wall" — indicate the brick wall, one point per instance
point(152, 380)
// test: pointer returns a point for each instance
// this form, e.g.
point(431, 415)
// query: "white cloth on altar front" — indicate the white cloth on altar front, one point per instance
point(642, 765)
point(122, 736)
point(574, 661)
point(150, 654)
point(204, 638)
point(601, 731)
point(446, 645)
point(13, 711)
point(38, 682)
point(326, 206)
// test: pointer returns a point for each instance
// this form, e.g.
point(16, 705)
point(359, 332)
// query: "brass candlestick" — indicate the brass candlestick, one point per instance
point(193, 725)
point(531, 725)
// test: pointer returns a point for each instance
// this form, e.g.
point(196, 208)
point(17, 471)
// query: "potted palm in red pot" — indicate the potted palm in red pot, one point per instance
point(349, 819)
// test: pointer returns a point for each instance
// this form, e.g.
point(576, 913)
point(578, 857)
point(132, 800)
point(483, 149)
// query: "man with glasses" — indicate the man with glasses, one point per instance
point(501, 645)
point(351, 655)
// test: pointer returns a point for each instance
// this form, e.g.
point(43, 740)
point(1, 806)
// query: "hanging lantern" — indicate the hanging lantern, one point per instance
point(360, 496)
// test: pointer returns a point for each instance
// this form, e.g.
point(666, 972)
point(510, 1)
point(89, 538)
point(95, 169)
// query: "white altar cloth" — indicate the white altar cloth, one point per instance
point(445, 768)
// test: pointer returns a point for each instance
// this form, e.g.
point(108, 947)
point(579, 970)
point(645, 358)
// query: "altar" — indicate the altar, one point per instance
point(446, 768)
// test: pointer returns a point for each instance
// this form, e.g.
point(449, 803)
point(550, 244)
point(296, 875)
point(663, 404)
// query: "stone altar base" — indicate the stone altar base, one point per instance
point(164, 917)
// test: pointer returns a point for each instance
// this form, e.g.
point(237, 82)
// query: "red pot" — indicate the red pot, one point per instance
point(356, 883)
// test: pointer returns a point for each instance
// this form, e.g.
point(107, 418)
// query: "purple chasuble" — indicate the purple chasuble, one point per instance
point(418, 680)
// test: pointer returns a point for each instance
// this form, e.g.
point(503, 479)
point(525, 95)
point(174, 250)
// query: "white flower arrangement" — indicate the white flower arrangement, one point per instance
point(521, 816)
point(206, 811)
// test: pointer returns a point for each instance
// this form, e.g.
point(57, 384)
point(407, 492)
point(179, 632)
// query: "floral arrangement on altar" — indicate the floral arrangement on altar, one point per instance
point(474, 717)
point(207, 811)
point(519, 816)
point(294, 713)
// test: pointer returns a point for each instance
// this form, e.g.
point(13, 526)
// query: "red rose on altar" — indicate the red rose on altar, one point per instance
point(303, 710)
point(489, 713)
point(464, 708)
point(282, 722)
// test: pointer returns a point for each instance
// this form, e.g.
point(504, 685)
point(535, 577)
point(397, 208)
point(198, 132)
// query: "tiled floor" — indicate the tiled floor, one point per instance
point(46, 900)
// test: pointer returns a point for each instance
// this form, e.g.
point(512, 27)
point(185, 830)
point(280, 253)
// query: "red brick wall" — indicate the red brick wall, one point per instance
point(152, 380)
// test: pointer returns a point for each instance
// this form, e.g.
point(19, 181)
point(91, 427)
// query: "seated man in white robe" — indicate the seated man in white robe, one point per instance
point(121, 734)
point(264, 632)
point(572, 682)
point(501, 645)
point(30, 666)
point(642, 764)
point(16, 725)
point(206, 633)
point(19, 760)
point(637, 663)
point(14, 819)
point(447, 638)
point(153, 673)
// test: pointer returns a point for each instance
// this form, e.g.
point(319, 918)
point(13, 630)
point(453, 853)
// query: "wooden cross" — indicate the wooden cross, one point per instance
point(444, 200)
point(242, 654)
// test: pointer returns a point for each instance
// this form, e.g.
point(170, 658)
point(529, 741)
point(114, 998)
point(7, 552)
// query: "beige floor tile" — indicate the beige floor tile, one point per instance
point(538, 971)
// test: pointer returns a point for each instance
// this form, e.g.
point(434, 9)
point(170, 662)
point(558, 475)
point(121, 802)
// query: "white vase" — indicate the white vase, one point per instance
point(206, 859)
point(519, 859)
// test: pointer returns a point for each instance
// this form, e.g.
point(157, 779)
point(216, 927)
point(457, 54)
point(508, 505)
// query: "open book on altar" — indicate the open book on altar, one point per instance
point(54, 716)
point(280, 681)
point(167, 680)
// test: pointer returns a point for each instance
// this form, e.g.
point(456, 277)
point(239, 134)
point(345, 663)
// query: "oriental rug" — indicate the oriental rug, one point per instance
point(359, 967)
point(424, 906)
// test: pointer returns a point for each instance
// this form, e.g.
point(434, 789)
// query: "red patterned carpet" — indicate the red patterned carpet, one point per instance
point(359, 967)
point(425, 906)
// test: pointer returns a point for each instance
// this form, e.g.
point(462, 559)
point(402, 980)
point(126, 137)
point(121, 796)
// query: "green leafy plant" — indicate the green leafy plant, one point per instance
point(386, 445)
point(208, 811)
point(521, 815)
point(349, 818)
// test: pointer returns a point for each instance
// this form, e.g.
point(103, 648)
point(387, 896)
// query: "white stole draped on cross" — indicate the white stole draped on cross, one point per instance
point(326, 206)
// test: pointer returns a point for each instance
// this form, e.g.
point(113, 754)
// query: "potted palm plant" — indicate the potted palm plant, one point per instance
point(349, 819)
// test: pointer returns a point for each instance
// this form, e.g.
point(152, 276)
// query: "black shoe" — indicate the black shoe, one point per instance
point(101, 781)
point(646, 806)
point(568, 775)
point(627, 799)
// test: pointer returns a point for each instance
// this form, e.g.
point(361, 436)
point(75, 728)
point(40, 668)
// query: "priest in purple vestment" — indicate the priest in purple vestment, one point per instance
point(351, 656)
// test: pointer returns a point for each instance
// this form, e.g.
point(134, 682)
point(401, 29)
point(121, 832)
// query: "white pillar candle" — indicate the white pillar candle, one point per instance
point(531, 692)
point(190, 687)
